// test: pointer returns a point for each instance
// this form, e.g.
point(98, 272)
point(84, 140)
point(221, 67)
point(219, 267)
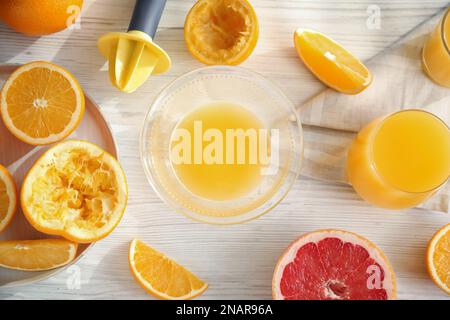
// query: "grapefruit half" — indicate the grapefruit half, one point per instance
point(333, 265)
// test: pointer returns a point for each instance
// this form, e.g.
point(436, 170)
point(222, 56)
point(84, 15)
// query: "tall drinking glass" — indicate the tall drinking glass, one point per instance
point(436, 52)
point(400, 160)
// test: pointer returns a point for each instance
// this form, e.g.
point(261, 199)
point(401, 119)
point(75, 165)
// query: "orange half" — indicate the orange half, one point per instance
point(221, 32)
point(438, 258)
point(41, 103)
point(331, 63)
point(75, 190)
point(161, 276)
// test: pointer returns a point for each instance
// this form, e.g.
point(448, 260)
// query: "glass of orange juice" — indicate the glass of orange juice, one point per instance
point(400, 160)
point(436, 53)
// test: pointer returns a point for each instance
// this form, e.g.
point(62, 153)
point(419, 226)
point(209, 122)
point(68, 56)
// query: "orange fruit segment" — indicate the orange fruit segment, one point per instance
point(41, 103)
point(8, 198)
point(438, 258)
point(75, 190)
point(37, 17)
point(161, 276)
point(36, 255)
point(330, 62)
point(221, 32)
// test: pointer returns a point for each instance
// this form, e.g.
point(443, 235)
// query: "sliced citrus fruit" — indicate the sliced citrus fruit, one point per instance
point(161, 276)
point(76, 190)
point(8, 198)
point(36, 255)
point(41, 103)
point(333, 265)
point(221, 31)
point(330, 62)
point(438, 258)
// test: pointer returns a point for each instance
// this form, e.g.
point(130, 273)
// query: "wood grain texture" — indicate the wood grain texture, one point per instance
point(237, 261)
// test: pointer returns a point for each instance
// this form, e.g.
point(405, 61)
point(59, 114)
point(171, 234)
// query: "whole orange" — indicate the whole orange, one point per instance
point(39, 17)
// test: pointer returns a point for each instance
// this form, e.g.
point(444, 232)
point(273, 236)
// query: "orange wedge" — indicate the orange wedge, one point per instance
point(41, 103)
point(331, 63)
point(8, 198)
point(438, 258)
point(161, 276)
point(36, 255)
point(75, 190)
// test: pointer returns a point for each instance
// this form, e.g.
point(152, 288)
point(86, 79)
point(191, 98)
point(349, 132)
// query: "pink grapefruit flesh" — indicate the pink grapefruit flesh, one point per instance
point(333, 265)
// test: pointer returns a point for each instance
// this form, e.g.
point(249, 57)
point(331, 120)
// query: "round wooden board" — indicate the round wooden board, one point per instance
point(18, 157)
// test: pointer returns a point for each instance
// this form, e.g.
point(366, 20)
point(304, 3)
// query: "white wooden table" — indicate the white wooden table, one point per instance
point(237, 261)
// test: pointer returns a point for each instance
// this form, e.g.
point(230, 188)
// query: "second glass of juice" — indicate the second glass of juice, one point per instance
point(400, 160)
point(436, 52)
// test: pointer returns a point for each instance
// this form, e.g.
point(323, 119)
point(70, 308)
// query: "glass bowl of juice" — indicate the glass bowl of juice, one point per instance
point(222, 145)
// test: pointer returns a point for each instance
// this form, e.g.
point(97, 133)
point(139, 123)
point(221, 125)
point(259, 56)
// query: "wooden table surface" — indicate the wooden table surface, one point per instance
point(237, 261)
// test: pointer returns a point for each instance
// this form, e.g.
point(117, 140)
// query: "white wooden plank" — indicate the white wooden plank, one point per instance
point(237, 261)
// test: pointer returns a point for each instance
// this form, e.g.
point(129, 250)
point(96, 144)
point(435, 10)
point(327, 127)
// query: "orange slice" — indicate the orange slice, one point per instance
point(221, 31)
point(438, 258)
point(161, 276)
point(41, 103)
point(36, 255)
point(75, 190)
point(331, 63)
point(8, 198)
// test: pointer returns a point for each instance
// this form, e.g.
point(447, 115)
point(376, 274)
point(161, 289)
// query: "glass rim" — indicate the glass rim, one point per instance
point(445, 41)
point(371, 152)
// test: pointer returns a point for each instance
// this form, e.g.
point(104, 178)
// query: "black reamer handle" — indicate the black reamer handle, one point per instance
point(146, 16)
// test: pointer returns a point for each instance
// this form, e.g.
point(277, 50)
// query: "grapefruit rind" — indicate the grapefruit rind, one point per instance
point(389, 282)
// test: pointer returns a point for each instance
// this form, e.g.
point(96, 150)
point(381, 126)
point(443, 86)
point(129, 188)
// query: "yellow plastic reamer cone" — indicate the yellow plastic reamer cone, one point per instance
point(132, 55)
